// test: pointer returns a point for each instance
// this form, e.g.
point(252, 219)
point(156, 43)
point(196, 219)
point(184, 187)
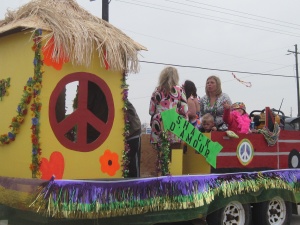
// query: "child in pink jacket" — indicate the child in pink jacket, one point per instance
point(236, 117)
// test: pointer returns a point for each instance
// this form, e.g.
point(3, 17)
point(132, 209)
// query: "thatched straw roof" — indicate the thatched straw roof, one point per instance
point(76, 33)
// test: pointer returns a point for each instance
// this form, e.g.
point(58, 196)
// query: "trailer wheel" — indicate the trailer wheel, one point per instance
point(273, 212)
point(294, 159)
point(233, 213)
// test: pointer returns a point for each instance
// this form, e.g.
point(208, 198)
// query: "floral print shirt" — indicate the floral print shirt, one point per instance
point(217, 110)
point(160, 102)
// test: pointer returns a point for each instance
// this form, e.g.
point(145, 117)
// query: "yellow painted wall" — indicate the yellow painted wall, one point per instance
point(195, 163)
point(16, 57)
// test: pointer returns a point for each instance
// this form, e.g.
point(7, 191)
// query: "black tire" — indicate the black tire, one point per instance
point(294, 159)
point(273, 212)
point(233, 213)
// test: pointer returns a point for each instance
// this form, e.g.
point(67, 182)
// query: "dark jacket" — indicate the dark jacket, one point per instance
point(135, 127)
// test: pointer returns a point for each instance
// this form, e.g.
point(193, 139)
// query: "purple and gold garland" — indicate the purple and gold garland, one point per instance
point(113, 198)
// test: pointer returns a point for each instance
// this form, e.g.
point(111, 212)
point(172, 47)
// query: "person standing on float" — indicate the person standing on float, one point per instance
point(213, 101)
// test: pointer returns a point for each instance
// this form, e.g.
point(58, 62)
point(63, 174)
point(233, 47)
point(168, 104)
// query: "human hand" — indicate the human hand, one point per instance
point(226, 105)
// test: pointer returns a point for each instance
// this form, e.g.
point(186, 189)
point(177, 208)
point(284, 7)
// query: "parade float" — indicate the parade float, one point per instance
point(60, 166)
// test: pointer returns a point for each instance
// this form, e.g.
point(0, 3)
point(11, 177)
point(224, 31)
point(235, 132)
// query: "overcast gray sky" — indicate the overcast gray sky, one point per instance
point(248, 36)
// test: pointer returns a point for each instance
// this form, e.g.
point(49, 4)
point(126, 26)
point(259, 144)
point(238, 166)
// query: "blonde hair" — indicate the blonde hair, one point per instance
point(168, 78)
point(207, 118)
point(218, 82)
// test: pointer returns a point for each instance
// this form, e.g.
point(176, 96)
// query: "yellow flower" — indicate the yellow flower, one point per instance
point(20, 119)
point(37, 99)
point(28, 89)
point(16, 130)
point(37, 86)
point(38, 174)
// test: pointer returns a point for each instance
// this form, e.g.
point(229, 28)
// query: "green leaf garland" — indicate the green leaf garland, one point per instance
point(4, 85)
point(125, 158)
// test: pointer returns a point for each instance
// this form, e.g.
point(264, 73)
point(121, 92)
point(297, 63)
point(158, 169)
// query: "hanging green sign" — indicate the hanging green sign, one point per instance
point(193, 137)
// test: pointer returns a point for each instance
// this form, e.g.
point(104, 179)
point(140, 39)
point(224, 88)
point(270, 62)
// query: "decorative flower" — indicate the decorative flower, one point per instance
point(55, 165)
point(37, 86)
point(109, 162)
point(23, 105)
point(32, 166)
point(163, 150)
point(33, 107)
point(48, 50)
point(34, 139)
point(20, 119)
point(38, 174)
point(34, 121)
point(125, 158)
point(28, 89)
point(24, 112)
point(4, 85)
point(11, 136)
point(34, 48)
point(16, 130)
point(28, 99)
point(34, 151)
point(37, 98)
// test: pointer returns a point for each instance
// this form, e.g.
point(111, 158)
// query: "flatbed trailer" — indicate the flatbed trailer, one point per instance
point(252, 182)
point(220, 198)
point(41, 57)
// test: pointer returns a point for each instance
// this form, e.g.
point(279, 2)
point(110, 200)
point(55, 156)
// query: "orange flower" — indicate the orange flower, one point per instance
point(16, 130)
point(32, 167)
point(109, 162)
point(34, 48)
point(48, 50)
point(20, 119)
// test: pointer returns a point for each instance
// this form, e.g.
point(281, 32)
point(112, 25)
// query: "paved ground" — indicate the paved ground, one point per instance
point(295, 220)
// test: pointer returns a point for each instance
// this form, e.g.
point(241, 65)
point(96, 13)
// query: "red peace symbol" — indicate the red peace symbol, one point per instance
point(82, 117)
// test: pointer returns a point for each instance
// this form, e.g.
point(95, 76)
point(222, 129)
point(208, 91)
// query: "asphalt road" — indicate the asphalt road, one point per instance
point(295, 220)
